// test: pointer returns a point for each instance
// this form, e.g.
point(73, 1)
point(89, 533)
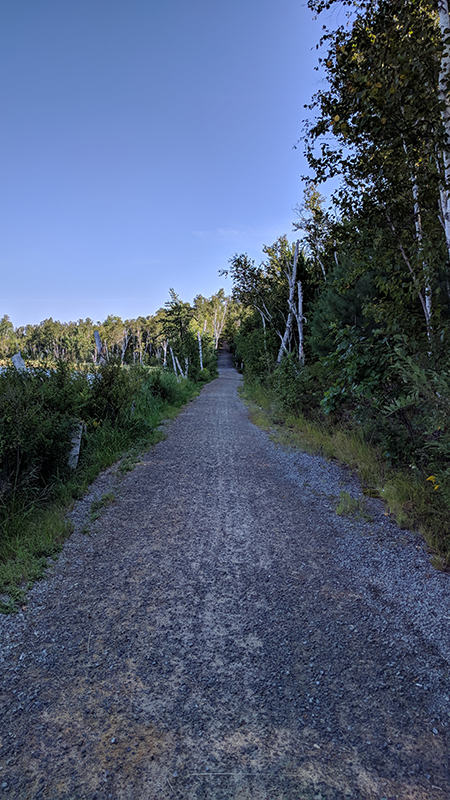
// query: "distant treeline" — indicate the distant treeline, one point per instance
point(147, 340)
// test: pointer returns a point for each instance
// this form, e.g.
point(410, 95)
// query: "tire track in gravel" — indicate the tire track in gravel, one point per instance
point(223, 634)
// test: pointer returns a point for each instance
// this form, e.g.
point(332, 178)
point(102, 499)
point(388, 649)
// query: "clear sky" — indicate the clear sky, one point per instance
point(142, 144)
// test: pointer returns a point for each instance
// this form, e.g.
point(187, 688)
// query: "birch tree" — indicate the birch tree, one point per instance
point(274, 291)
point(383, 135)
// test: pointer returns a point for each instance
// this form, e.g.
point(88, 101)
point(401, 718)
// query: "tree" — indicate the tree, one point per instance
point(316, 226)
point(8, 337)
point(383, 136)
point(275, 290)
point(211, 314)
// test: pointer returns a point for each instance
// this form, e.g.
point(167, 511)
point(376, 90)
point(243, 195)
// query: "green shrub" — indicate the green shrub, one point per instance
point(39, 409)
point(297, 388)
point(163, 384)
point(113, 390)
point(36, 423)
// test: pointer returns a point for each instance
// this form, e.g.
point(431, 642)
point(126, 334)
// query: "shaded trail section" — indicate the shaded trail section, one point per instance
point(209, 643)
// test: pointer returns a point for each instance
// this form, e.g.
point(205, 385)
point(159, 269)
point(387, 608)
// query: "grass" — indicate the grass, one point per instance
point(349, 506)
point(33, 527)
point(97, 506)
point(408, 497)
point(25, 554)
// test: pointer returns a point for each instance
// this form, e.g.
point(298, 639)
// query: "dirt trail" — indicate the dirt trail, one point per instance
point(224, 634)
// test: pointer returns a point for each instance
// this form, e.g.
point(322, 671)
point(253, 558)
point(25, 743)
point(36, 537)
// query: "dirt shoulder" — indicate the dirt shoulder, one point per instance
point(224, 634)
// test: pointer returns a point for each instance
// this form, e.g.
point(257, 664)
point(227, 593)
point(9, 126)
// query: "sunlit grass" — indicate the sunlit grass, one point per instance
point(412, 499)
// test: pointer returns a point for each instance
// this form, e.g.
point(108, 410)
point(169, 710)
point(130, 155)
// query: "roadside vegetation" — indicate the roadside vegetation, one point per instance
point(343, 336)
point(111, 407)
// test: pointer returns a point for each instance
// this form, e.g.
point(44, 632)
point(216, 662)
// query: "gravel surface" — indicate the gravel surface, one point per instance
point(222, 633)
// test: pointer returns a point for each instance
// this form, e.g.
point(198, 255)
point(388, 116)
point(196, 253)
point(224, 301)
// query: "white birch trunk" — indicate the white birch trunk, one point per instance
point(200, 349)
point(99, 346)
point(75, 442)
point(419, 238)
point(219, 325)
point(173, 361)
point(288, 331)
point(179, 367)
point(264, 334)
point(299, 315)
point(123, 346)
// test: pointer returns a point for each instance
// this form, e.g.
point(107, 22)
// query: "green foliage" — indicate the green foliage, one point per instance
point(122, 408)
point(143, 340)
point(204, 375)
point(37, 412)
point(375, 269)
point(113, 390)
point(255, 347)
point(164, 385)
point(211, 315)
point(297, 388)
point(263, 292)
point(342, 302)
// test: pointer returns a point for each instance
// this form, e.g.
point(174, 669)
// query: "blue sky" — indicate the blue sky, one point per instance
point(143, 143)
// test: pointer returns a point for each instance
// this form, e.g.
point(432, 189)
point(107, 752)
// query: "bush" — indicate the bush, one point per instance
point(204, 375)
point(164, 385)
point(299, 389)
point(38, 412)
point(113, 390)
point(256, 350)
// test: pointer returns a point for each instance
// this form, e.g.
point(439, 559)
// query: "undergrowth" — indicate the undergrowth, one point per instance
point(410, 496)
point(120, 421)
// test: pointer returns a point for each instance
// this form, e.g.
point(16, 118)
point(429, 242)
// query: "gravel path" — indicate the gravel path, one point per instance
point(224, 634)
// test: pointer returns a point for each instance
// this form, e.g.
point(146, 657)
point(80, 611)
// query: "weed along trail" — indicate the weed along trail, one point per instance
point(223, 633)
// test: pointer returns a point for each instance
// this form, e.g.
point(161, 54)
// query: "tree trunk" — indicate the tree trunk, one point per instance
point(123, 346)
point(288, 331)
point(200, 349)
point(299, 315)
point(419, 238)
point(75, 442)
point(218, 325)
point(173, 361)
point(98, 343)
point(264, 335)
point(179, 367)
